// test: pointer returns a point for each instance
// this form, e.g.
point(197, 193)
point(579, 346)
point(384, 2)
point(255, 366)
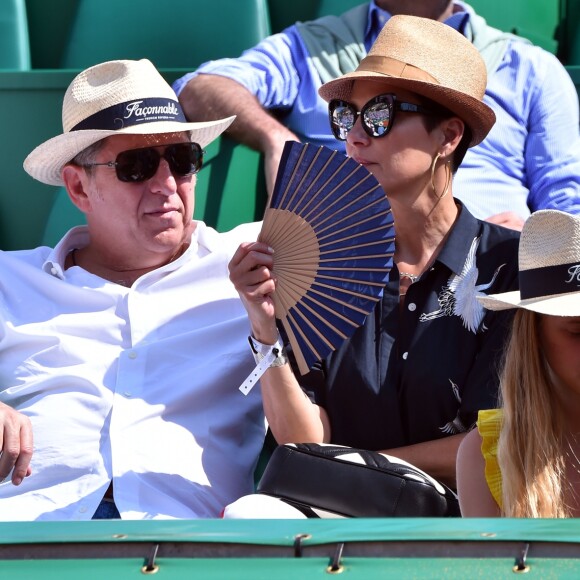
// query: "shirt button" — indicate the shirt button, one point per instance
point(82, 509)
point(127, 394)
point(412, 307)
point(405, 355)
point(53, 271)
point(133, 354)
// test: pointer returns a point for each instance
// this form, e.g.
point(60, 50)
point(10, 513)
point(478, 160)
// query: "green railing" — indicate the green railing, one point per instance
point(292, 549)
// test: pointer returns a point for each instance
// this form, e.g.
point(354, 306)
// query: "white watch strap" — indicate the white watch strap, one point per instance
point(255, 375)
point(265, 355)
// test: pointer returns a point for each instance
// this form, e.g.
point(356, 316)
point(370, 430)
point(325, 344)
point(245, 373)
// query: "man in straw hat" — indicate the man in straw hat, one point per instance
point(522, 460)
point(121, 349)
point(530, 159)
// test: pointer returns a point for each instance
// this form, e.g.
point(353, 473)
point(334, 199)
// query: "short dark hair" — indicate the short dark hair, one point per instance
point(440, 114)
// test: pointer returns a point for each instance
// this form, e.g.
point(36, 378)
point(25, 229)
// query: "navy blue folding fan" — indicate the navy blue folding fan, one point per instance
point(331, 228)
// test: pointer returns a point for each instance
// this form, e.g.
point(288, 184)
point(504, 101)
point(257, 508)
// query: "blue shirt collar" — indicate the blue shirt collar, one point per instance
point(378, 18)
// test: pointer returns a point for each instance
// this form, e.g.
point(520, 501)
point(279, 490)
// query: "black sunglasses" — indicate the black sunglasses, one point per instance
point(137, 165)
point(377, 116)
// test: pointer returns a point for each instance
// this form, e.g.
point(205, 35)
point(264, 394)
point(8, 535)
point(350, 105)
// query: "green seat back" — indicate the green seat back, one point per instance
point(30, 112)
point(283, 13)
point(574, 72)
point(536, 20)
point(172, 33)
point(14, 47)
point(230, 187)
point(572, 32)
point(62, 216)
point(49, 23)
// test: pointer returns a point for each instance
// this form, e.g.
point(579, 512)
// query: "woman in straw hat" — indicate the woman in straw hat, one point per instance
point(524, 460)
point(410, 380)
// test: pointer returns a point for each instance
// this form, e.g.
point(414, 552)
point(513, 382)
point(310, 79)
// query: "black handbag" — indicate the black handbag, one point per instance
point(331, 480)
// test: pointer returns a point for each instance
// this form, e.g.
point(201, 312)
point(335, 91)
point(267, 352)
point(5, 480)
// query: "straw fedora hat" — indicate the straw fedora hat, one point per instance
point(428, 58)
point(549, 267)
point(119, 97)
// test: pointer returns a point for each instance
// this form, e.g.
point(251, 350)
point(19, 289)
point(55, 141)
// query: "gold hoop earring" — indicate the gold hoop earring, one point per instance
point(448, 176)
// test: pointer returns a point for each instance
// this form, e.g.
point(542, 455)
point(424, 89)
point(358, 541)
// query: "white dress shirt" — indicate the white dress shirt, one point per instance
point(138, 386)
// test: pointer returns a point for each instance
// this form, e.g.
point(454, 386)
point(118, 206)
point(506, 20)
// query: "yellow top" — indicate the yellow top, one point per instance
point(489, 425)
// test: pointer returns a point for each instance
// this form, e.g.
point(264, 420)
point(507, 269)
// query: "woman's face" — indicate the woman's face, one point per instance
point(560, 339)
point(400, 160)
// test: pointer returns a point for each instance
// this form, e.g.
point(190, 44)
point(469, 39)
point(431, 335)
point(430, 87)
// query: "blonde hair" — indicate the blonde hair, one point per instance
point(530, 449)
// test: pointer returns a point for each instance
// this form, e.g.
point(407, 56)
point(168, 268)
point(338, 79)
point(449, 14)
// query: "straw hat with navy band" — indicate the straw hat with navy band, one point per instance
point(120, 97)
point(549, 267)
point(428, 58)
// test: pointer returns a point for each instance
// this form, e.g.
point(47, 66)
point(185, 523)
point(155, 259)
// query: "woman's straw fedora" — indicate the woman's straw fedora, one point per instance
point(549, 267)
point(119, 97)
point(430, 59)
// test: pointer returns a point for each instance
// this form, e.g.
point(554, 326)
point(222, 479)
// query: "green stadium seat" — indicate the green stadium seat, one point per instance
point(574, 72)
point(14, 47)
point(30, 112)
point(230, 187)
point(283, 14)
point(62, 216)
point(48, 30)
point(172, 33)
point(572, 33)
point(536, 20)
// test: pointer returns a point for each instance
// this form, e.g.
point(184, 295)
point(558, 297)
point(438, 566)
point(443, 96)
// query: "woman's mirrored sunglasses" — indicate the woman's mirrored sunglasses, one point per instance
point(377, 116)
point(137, 165)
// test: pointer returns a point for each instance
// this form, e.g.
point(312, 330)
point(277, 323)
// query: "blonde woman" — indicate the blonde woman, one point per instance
point(523, 460)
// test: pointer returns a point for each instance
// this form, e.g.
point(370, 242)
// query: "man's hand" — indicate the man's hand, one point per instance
point(15, 444)
point(507, 219)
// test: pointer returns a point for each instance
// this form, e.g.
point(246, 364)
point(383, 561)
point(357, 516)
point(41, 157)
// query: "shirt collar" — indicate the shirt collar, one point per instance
point(78, 237)
point(462, 234)
point(378, 17)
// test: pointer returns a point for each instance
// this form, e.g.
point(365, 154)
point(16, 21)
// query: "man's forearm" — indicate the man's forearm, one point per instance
point(208, 97)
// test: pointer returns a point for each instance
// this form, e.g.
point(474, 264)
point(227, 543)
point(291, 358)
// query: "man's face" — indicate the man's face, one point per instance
point(148, 218)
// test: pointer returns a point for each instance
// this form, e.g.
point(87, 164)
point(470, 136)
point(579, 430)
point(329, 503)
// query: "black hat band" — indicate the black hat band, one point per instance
point(539, 282)
point(131, 113)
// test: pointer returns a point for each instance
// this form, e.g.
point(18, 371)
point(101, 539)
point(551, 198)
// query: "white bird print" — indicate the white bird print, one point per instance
point(455, 426)
point(459, 297)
